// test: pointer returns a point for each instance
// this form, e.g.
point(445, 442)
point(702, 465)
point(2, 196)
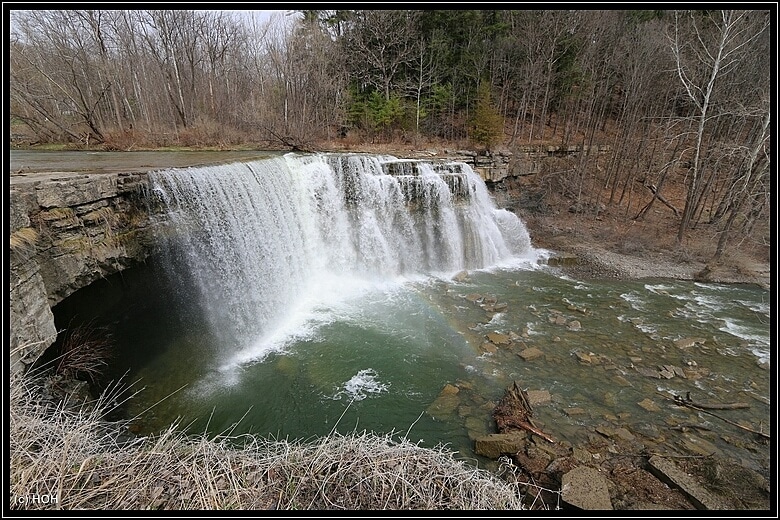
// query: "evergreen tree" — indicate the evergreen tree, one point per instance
point(487, 125)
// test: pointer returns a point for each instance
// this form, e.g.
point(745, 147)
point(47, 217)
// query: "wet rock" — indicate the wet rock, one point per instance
point(493, 445)
point(571, 412)
point(446, 403)
point(688, 342)
point(584, 358)
point(668, 472)
point(622, 381)
point(649, 405)
point(537, 397)
point(488, 347)
point(696, 373)
point(648, 430)
point(531, 354)
point(604, 430)
point(585, 488)
point(498, 338)
point(574, 325)
point(462, 276)
point(699, 446)
point(582, 455)
point(562, 259)
point(558, 320)
point(648, 372)
point(449, 390)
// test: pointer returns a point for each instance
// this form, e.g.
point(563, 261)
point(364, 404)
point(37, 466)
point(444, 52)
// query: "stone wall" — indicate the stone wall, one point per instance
point(66, 232)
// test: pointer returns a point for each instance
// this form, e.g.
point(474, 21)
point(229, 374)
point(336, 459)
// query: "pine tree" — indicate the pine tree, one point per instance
point(487, 125)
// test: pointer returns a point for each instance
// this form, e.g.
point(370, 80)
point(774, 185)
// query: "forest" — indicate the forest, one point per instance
point(682, 98)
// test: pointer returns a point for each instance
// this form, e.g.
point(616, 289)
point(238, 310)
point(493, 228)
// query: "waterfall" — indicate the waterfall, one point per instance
point(257, 239)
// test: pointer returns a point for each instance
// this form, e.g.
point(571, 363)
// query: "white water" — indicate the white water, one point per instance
point(267, 243)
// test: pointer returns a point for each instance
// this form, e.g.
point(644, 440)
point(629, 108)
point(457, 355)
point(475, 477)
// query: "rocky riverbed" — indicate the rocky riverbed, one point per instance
point(617, 469)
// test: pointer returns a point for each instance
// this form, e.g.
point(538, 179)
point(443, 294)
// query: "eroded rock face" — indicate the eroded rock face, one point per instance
point(67, 232)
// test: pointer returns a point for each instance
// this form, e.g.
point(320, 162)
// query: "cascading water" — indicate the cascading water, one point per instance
point(263, 239)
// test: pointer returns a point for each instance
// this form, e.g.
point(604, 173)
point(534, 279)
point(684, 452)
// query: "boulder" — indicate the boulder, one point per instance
point(585, 488)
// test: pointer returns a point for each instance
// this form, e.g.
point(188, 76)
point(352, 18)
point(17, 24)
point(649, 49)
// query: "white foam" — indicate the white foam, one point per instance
point(634, 299)
point(361, 385)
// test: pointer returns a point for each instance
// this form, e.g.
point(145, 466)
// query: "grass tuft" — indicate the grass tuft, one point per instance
point(24, 240)
point(72, 454)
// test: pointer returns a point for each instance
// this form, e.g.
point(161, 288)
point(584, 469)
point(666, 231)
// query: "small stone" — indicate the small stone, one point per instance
point(531, 353)
point(687, 342)
point(449, 390)
point(488, 347)
point(462, 276)
point(649, 405)
point(622, 381)
point(498, 339)
point(584, 358)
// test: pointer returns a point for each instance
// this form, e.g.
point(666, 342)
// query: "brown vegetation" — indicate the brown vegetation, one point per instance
point(64, 455)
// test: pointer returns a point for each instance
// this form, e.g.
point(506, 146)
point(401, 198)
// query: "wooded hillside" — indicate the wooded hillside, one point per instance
point(679, 96)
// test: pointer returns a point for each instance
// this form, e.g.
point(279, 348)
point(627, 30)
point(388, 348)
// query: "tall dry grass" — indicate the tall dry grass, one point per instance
point(76, 460)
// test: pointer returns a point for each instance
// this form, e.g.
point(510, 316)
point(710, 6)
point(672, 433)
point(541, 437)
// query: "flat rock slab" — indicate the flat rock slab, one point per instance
point(493, 445)
point(585, 488)
point(668, 472)
point(537, 397)
point(531, 353)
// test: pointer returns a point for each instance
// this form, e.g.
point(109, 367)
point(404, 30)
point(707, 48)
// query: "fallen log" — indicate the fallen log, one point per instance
point(656, 195)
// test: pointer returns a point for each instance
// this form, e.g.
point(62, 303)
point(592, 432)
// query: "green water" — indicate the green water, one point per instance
point(379, 358)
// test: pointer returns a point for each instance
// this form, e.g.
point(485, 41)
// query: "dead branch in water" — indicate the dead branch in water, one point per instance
point(689, 404)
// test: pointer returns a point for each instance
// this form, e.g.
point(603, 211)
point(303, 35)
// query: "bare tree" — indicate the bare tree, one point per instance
point(709, 48)
point(381, 44)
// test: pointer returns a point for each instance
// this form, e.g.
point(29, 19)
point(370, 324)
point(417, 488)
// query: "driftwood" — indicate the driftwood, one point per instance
point(689, 404)
point(708, 406)
point(514, 412)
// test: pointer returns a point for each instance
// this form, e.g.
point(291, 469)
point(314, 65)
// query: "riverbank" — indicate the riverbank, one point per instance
point(605, 249)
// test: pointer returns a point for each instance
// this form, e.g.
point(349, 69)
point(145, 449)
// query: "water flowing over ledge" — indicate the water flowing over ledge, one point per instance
point(260, 238)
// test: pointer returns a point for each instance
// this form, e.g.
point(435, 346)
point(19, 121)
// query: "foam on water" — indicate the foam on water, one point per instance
point(360, 386)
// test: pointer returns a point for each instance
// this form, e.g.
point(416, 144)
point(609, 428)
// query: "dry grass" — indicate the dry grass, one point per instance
point(24, 240)
point(85, 352)
point(82, 462)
